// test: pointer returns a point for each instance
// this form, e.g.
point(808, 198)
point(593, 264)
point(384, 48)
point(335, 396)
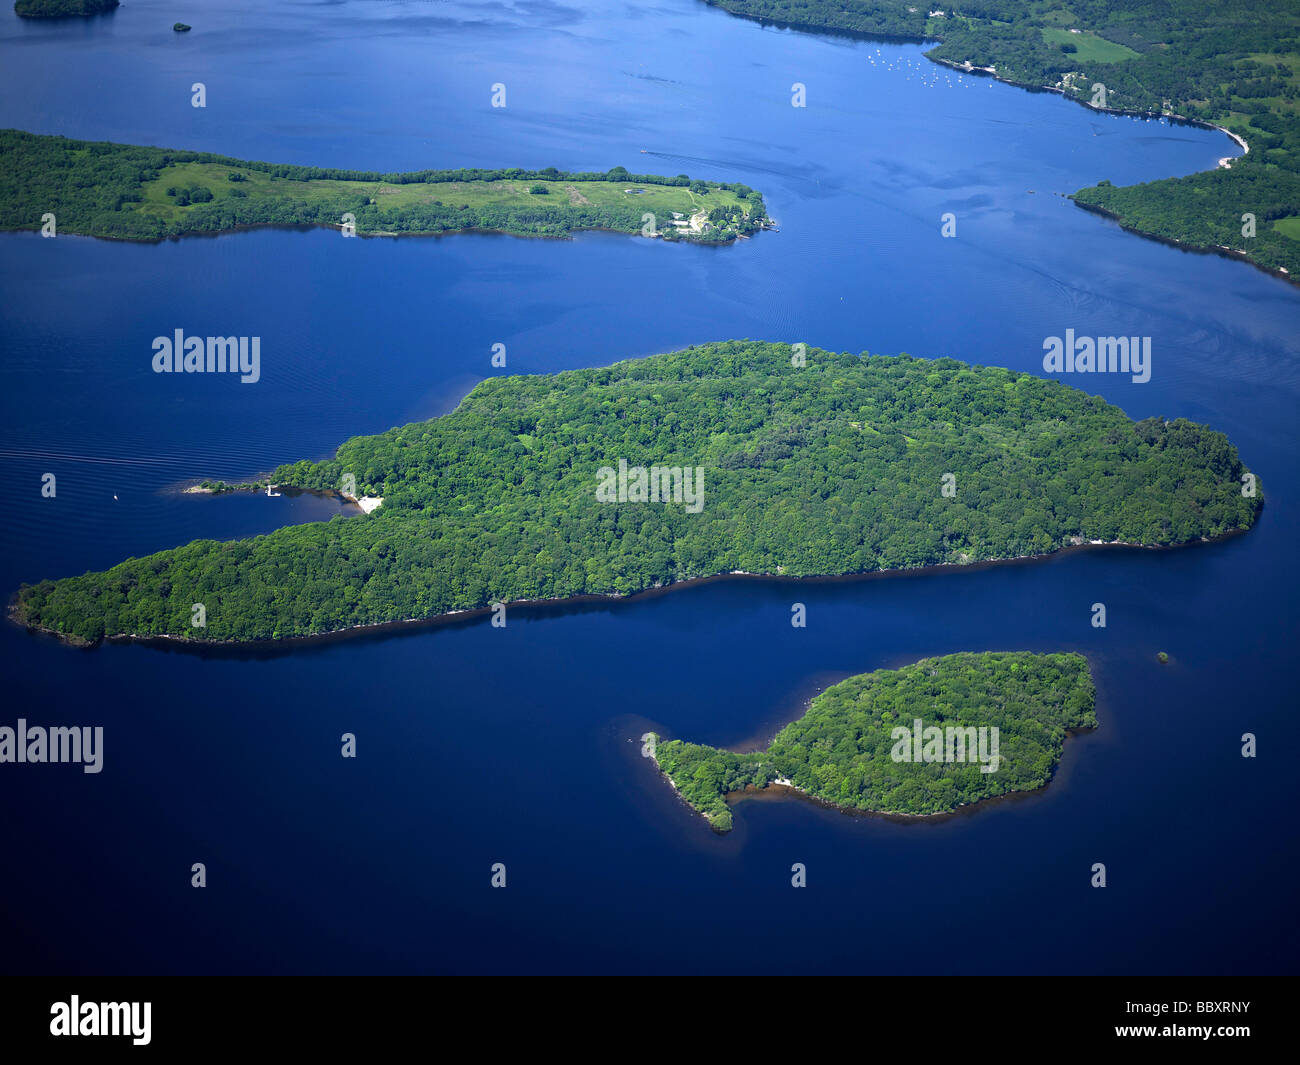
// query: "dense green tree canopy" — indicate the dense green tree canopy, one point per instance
point(845, 748)
point(838, 466)
point(62, 8)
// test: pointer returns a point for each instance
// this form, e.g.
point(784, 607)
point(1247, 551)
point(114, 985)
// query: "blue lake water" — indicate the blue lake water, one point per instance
point(478, 745)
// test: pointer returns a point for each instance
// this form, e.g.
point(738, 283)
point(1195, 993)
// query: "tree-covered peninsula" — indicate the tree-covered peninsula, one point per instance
point(924, 739)
point(1232, 63)
point(62, 8)
point(122, 191)
point(802, 463)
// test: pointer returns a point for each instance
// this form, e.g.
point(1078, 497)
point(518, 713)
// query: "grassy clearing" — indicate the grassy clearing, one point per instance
point(660, 200)
point(1288, 227)
point(1092, 49)
point(132, 192)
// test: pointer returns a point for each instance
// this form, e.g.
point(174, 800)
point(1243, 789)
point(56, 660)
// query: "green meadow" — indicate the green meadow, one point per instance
point(664, 201)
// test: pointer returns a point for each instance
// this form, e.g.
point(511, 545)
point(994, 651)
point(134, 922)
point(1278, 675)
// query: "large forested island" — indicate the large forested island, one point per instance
point(127, 192)
point(996, 723)
point(801, 464)
point(1232, 63)
point(62, 8)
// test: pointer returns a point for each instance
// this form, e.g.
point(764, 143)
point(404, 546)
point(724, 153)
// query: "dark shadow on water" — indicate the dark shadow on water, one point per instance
point(307, 227)
point(811, 30)
point(646, 787)
point(781, 793)
point(588, 604)
point(1188, 249)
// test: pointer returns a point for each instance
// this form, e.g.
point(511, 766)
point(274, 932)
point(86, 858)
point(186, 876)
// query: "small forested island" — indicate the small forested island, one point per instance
point(217, 488)
point(101, 189)
point(801, 462)
point(62, 8)
point(924, 739)
point(1228, 63)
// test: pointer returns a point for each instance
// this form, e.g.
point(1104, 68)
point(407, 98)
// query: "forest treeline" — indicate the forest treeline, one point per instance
point(62, 8)
point(842, 750)
point(99, 189)
point(1234, 63)
point(838, 466)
